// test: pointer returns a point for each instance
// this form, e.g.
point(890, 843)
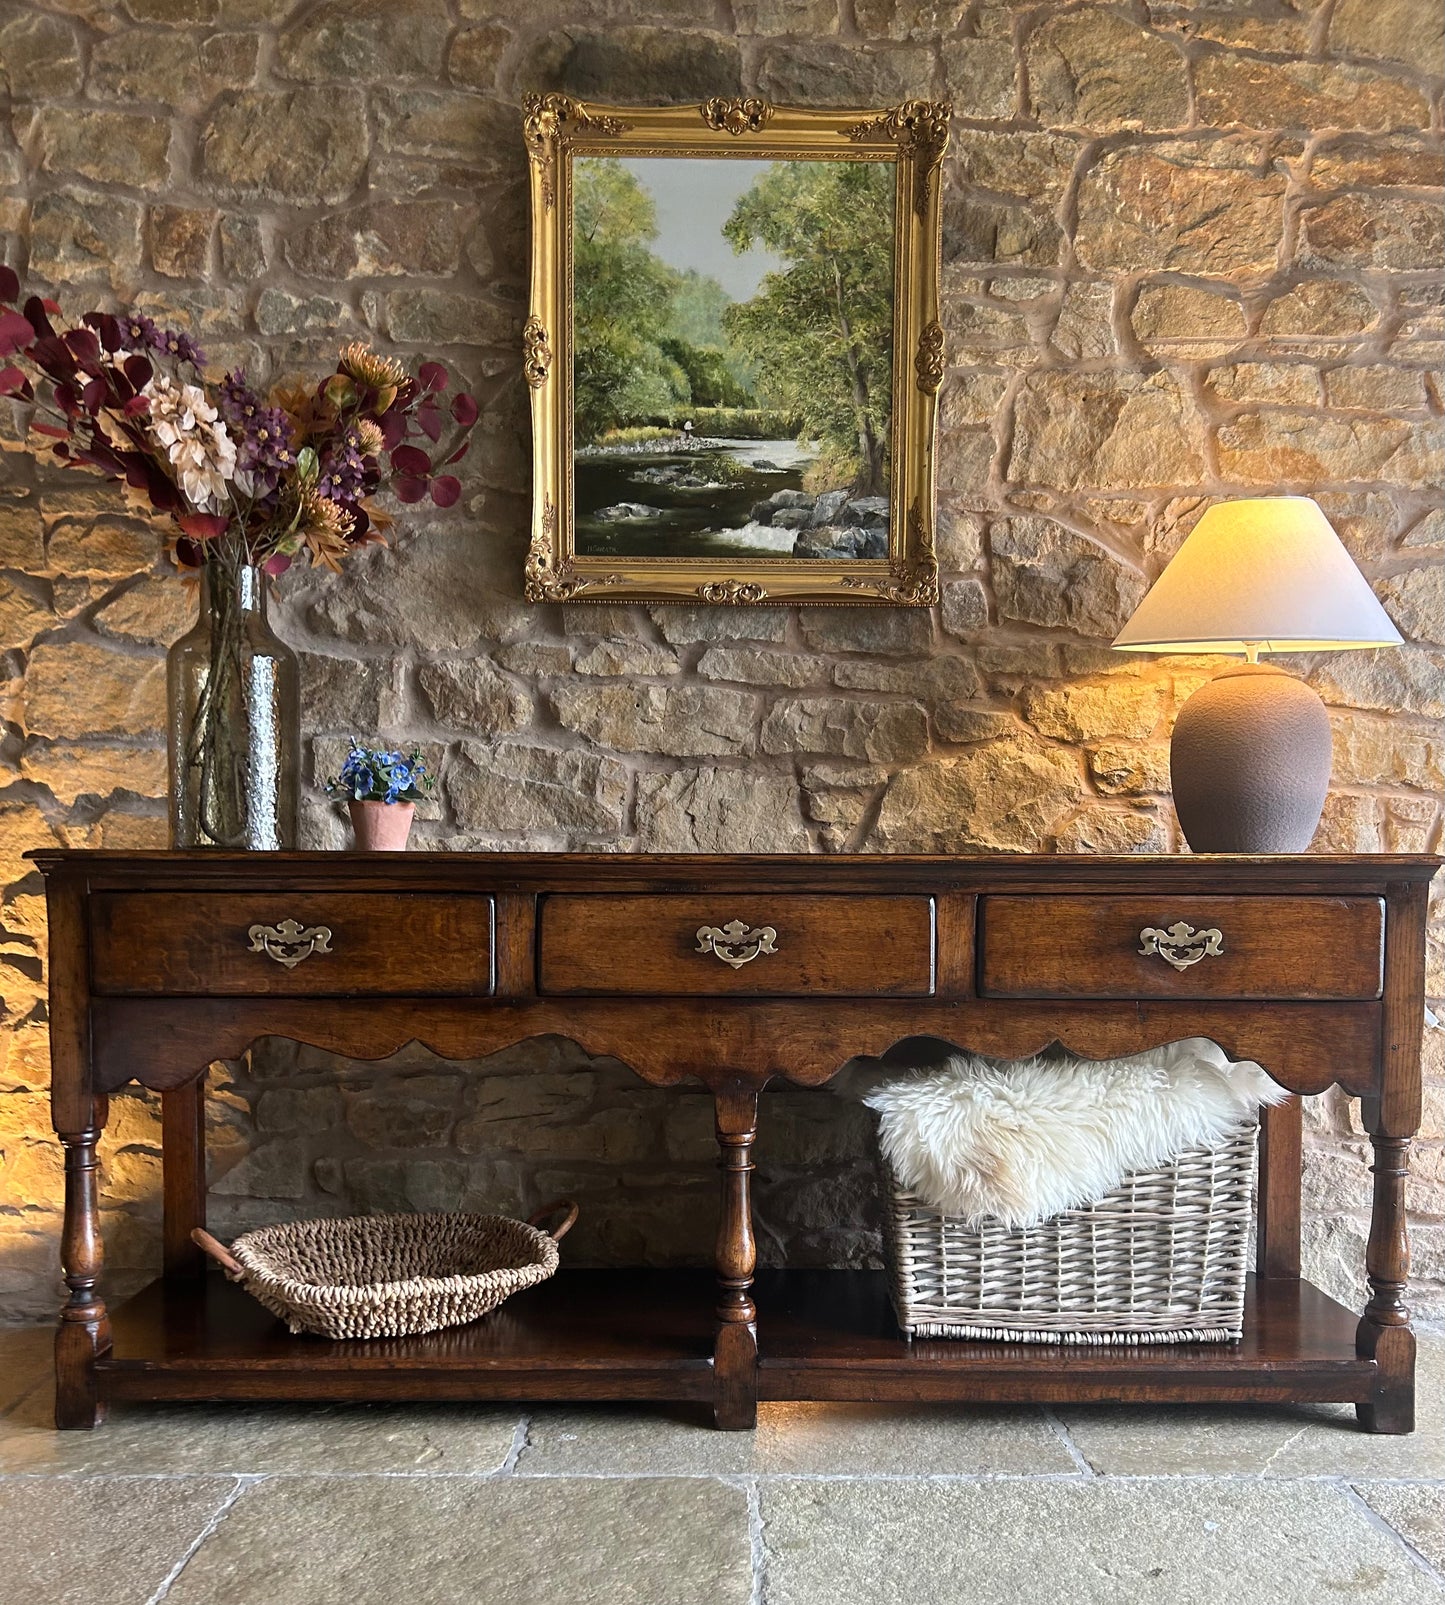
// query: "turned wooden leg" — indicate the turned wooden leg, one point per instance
point(183, 1164)
point(1384, 1333)
point(84, 1325)
point(735, 1356)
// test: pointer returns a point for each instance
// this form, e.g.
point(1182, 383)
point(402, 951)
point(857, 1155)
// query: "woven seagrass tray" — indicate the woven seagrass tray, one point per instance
point(1160, 1259)
point(369, 1276)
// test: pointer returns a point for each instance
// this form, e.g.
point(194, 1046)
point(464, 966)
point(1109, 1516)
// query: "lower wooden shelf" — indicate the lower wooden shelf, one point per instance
point(644, 1334)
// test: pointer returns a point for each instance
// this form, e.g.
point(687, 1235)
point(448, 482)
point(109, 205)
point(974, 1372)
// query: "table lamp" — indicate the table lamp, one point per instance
point(1250, 758)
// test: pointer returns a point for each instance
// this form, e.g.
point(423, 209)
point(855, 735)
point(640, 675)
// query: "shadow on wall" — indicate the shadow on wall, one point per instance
point(293, 1133)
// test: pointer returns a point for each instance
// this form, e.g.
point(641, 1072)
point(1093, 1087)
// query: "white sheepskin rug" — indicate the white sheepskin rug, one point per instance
point(1020, 1142)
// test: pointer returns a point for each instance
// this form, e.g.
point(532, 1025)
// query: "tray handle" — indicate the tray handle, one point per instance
point(567, 1205)
point(218, 1252)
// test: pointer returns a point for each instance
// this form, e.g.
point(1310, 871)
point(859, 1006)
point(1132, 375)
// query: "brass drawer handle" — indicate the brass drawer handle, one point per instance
point(288, 942)
point(735, 944)
point(1181, 945)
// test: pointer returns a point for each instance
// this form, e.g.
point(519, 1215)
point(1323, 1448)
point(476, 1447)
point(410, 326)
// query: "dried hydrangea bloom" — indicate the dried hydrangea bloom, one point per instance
point(196, 442)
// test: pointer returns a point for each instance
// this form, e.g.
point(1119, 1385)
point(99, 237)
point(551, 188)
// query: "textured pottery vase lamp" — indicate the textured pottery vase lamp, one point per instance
point(1250, 759)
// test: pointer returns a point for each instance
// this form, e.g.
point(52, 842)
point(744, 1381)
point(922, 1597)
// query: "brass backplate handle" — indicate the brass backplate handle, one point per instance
point(1180, 944)
point(288, 942)
point(735, 944)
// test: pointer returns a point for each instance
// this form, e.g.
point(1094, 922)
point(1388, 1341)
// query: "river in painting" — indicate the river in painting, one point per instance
point(695, 501)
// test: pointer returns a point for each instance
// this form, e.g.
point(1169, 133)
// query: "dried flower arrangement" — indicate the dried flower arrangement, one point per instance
point(259, 480)
point(250, 484)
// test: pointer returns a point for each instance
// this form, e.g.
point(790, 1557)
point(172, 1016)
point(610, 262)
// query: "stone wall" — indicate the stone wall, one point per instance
point(1191, 250)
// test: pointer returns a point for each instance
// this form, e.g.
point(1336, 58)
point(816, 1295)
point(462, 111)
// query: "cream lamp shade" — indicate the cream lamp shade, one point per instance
point(1250, 757)
point(1266, 575)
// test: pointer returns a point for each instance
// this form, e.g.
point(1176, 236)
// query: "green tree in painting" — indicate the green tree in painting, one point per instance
point(647, 339)
point(622, 295)
point(819, 332)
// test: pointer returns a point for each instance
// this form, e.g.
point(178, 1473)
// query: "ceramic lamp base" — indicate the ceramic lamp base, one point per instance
point(1250, 763)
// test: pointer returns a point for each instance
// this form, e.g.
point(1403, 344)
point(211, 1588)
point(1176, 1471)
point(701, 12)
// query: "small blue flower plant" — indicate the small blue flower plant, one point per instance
point(372, 774)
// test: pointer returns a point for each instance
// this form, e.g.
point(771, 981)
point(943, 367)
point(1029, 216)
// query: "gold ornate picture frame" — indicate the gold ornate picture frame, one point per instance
point(581, 153)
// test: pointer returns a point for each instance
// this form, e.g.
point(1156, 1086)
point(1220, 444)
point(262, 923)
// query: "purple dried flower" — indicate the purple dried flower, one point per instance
point(344, 472)
point(138, 332)
point(178, 345)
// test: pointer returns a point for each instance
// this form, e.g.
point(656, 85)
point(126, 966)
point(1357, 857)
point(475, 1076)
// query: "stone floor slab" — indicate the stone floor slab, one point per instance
point(1084, 1542)
point(1288, 1441)
point(795, 1439)
point(1416, 1511)
point(445, 1540)
point(104, 1539)
point(256, 1440)
point(25, 1361)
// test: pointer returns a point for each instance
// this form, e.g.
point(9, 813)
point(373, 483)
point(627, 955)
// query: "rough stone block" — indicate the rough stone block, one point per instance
point(446, 317)
point(382, 239)
point(1392, 30)
point(807, 17)
point(353, 41)
point(1187, 320)
point(883, 630)
point(180, 239)
point(79, 234)
point(75, 689)
point(304, 146)
point(510, 787)
point(1245, 91)
point(1185, 205)
point(657, 65)
point(882, 732)
point(824, 74)
point(719, 811)
point(1006, 796)
point(471, 696)
point(95, 770)
point(1045, 574)
point(107, 147)
point(39, 56)
point(1332, 307)
point(184, 72)
point(683, 721)
point(1115, 431)
point(1351, 162)
point(1095, 69)
point(1298, 447)
point(1372, 231)
point(981, 76)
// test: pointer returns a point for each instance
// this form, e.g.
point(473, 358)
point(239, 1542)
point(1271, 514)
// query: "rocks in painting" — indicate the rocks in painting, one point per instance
point(837, 540)
point(763, 511)
point(834, 523)
point(626, 513)
point(868, 512)
point(677, 475)
point(827, 507)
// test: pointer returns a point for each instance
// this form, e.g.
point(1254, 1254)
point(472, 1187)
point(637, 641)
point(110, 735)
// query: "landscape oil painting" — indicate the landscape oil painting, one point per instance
point(732, 357)
point(734, 352)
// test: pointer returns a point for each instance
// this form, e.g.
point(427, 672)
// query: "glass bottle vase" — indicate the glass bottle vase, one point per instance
point(233, 690)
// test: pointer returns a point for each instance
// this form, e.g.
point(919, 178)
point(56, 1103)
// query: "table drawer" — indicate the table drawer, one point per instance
point(744, 945)
point(238, 944)
point(1181, 947)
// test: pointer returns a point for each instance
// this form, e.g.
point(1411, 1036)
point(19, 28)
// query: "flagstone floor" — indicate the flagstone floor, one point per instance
point(824, 1505)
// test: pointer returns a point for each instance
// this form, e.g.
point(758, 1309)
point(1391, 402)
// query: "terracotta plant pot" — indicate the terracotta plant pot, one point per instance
point(381, 827)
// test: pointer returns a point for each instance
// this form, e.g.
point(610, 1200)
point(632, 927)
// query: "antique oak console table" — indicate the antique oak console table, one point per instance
point(731, 971)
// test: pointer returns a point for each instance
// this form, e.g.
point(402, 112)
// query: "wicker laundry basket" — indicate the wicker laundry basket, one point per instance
point(390, 1275)
point(1160, 1259)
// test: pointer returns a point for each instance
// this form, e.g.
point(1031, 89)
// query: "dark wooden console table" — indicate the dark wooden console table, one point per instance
point(732, 971)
